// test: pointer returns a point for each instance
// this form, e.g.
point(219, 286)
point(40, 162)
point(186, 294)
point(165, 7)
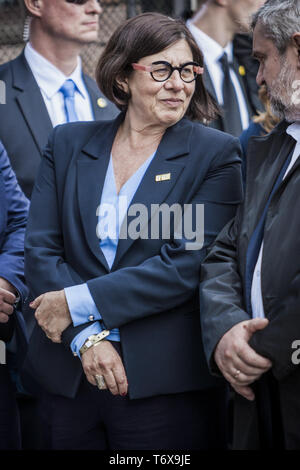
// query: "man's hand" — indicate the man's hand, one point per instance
point(103, 359)
point(237, 361)
point(7, 299)
point(52, 314)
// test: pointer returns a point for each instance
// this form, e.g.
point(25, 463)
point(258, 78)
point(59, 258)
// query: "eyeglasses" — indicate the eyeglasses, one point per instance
point(161, 71)
point(79, 2)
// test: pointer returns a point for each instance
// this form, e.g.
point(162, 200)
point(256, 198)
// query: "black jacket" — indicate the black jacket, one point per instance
point(223, 273)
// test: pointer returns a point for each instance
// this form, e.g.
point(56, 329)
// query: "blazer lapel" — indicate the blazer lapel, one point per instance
point(243, 87)
point(102, 108)
point(91, 171)
point(175, 143)
point(94, 96)
point(30, 101)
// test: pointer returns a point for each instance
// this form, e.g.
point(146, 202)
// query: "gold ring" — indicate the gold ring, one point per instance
point(100, 382)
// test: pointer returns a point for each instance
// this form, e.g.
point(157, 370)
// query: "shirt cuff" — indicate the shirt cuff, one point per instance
point(79, 339)
point(81, 305)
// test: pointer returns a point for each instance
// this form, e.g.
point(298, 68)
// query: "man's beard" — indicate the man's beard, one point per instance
point(281, 94)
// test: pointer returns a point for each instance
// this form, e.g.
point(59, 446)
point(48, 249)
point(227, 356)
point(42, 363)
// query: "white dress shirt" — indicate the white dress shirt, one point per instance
point(212, 52)
point(50, 79)
point(256, 293)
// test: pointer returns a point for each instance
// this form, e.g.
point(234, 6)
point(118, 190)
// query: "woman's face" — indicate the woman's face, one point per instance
point(155, 103)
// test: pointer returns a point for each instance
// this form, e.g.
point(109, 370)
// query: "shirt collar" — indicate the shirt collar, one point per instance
point(49, 78)
point(210, 48)
point(294, 131)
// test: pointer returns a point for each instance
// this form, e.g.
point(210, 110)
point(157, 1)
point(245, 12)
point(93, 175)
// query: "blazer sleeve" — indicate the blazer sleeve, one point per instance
point(45, 266)
point(15, 205)
point(12, 248)
point(221, 291)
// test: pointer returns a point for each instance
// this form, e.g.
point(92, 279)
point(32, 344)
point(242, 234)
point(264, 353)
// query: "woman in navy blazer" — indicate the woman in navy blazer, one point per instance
point(13, 218)
point(116, 277)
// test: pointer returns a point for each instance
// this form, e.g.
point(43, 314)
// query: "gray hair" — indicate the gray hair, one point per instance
point(280, 19)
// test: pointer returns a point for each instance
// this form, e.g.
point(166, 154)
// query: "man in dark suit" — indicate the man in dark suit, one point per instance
point(250, 279)
point(214, 27)
point(13, 218)
point(35, 96)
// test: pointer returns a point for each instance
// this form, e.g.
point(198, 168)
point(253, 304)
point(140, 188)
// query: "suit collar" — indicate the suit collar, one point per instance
point(49, 78)
point(174, 142)
point(22, 77)
point(208, 83)
point(30, 101)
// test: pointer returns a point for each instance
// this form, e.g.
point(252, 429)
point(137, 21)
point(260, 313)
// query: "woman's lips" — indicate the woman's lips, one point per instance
point(172, 102)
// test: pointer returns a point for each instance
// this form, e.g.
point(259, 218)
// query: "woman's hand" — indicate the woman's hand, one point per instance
point(52, 314)
point(103, 359)
point(7, 299)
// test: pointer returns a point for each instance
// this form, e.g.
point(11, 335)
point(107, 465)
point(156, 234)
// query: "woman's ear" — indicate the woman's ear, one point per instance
point(123, 84)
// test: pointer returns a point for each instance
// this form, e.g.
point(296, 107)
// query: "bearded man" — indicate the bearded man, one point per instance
point(250, 289)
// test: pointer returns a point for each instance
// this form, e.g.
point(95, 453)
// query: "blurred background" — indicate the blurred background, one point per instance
point(114, 12)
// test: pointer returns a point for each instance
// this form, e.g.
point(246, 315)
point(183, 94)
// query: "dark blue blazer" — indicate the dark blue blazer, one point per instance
point(25, 122)
point(13, 217)
point(151, 291)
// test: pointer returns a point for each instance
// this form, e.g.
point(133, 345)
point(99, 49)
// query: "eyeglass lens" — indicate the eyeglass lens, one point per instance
point(161, 71)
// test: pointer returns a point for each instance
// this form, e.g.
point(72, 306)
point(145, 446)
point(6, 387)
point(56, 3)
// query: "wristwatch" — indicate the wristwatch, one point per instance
point(92, 340)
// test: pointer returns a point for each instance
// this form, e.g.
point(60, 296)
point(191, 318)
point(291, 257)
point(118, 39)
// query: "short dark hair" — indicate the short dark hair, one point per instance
point(141, 36)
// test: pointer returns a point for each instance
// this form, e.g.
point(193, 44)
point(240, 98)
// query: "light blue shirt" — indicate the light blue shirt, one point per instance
point(112, 210)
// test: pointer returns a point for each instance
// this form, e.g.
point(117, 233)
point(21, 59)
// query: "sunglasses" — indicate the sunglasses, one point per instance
point(79, 2)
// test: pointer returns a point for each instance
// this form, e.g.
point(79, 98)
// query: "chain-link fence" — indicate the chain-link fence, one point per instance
point(12, 16)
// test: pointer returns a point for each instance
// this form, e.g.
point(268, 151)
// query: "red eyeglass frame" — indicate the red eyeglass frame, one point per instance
point(149, 68)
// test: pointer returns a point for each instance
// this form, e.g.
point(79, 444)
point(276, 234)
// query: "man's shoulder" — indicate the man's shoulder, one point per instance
point(7, 67)
point(92, 86)
point(212, 136)
point(103, 108)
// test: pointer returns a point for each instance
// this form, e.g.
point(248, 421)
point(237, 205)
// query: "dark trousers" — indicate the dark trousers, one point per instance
point(10, 438)
point(97, 420)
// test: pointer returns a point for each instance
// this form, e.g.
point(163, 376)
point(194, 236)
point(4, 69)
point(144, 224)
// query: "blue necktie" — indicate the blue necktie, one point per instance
point(68, 91)
point(257, 238)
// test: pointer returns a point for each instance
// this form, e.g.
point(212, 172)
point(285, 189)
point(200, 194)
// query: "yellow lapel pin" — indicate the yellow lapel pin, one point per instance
point(102, 103)
point(242, 70)
point(165, 177)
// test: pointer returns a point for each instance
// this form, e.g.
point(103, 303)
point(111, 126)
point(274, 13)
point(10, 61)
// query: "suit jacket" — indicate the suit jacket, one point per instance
point(25, 122)
point(150, 294)
point(250, 103)
point(13, 217)
point(242, 50)
point(223, 278)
